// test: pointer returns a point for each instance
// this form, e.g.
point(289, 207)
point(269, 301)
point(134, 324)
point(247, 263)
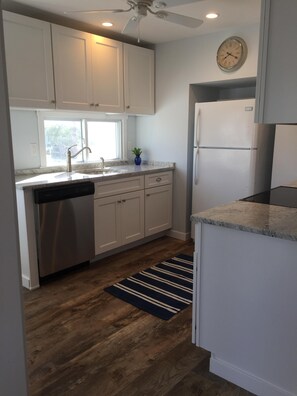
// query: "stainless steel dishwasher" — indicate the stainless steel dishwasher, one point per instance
point(64, 226)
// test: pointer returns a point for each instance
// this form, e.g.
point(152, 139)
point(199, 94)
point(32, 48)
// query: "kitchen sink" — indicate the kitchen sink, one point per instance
point(95, 171)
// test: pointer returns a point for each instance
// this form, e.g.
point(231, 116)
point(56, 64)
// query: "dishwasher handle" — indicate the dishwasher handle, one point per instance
point(59, 193)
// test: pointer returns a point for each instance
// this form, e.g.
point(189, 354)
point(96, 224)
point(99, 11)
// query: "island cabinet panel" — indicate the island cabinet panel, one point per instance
point(139, 80)
point(28, 61)
point(72, 64)
point(244, 307)
point(276, 88)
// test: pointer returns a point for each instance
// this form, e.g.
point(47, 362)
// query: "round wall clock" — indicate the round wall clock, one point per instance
point(231, 54)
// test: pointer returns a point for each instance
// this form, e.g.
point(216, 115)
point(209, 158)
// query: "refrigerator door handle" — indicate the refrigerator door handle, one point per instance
point(196, 166)
point(197, 129)
point(196, 146)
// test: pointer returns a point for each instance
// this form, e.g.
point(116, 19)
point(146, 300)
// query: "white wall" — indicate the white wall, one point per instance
point(24, 126)
point(12, 351)
point(164, 136)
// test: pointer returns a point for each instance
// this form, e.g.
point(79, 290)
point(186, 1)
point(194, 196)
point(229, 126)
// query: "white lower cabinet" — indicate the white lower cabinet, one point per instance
point(158, 202)
point(158, 209)
point(119, 213)
point(119, 220)
point(129, 209)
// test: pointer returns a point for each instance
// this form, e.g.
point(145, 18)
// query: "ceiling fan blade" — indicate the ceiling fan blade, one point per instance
point(131, 24)
point(179, 19)
point(96, 11)
point(172, 3)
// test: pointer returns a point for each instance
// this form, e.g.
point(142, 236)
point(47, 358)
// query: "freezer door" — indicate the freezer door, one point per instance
point(222, 176)
point(226, 124)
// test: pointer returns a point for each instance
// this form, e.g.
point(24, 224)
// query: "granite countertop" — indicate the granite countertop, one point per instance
point(270, 220)
point(36, 179)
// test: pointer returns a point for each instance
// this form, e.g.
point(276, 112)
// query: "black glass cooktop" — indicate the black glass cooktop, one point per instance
point(280, 196)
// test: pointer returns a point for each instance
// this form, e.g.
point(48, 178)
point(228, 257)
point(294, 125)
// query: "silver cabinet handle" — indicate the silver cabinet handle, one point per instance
point(158, 179)
point(128, 107)
point(53, 101)
point(92, 104)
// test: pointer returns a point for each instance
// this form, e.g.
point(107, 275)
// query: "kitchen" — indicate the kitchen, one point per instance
point(161, 131)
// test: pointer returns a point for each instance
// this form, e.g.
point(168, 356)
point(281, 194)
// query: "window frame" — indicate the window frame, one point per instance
point(84, 117)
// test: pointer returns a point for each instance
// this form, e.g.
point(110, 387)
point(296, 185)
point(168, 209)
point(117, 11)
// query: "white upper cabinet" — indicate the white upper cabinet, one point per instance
point(276, 93)
point(52, 66)
point(88, 71)
point(107, 74)
point(28, 61)
point(72, 65)
point(139, 80)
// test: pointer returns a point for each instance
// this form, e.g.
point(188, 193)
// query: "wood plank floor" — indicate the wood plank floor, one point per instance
point(83, 341)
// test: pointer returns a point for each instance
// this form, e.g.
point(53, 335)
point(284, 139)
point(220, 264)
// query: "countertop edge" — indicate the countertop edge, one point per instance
point(268, 220)
point(120, 172)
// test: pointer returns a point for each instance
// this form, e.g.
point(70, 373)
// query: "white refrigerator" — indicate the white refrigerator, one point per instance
point(232, 155)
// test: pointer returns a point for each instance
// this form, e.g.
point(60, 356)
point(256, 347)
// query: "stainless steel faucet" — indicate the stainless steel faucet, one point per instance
point(102, 159)
point(69, 155)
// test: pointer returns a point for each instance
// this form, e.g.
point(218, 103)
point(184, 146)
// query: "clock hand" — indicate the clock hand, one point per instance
point(228, 54)
point(234, 56)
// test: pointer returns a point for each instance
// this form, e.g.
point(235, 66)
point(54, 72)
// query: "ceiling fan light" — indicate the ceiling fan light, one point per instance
point(107, 24)
point(212, 15)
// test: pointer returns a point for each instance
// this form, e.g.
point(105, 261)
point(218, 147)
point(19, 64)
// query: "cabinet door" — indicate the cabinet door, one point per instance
point(158, 209)
point(107, 74)
point(132, 216)
point(276, 93)
point(29, 61)
point(107, 223)
point(72, 66)
point(139, 80)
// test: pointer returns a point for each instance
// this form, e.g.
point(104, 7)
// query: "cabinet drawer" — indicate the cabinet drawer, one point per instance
point(158, 179)
point(118, 186)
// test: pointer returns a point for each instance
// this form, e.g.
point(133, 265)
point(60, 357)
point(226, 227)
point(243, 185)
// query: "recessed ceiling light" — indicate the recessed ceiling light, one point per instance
point(212, 15)
point(107, 24)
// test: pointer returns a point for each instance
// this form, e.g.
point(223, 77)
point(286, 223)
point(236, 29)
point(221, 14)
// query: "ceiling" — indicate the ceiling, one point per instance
point(233, 14)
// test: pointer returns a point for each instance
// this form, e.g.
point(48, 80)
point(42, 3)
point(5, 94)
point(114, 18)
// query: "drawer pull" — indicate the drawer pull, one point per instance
point(158, 179)
point(123, 200)
point(119, 202)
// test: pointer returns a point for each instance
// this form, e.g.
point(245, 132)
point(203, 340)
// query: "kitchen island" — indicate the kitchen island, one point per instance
point(132, 204)
point(244, 303)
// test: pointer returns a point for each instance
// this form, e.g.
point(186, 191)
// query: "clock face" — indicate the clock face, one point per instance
point(231, 54)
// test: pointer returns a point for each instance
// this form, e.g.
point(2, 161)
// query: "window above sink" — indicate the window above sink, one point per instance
point(104, 134)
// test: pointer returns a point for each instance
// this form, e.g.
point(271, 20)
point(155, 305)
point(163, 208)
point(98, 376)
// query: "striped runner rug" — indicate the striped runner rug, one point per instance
point(162, 290)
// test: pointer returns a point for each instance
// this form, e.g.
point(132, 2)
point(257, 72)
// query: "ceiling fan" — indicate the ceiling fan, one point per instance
point(141, 8)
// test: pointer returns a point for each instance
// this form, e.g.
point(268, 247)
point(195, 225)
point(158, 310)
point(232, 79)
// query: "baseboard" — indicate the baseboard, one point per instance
point(245, 379)
point(128, 246)
point(27, 283)
point(183, 236)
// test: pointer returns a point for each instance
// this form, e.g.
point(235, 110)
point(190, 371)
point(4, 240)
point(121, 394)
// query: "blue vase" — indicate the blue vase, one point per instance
point(137, 160)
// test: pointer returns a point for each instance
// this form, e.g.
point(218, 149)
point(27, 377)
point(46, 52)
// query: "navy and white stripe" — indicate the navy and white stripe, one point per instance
point(162, 290)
